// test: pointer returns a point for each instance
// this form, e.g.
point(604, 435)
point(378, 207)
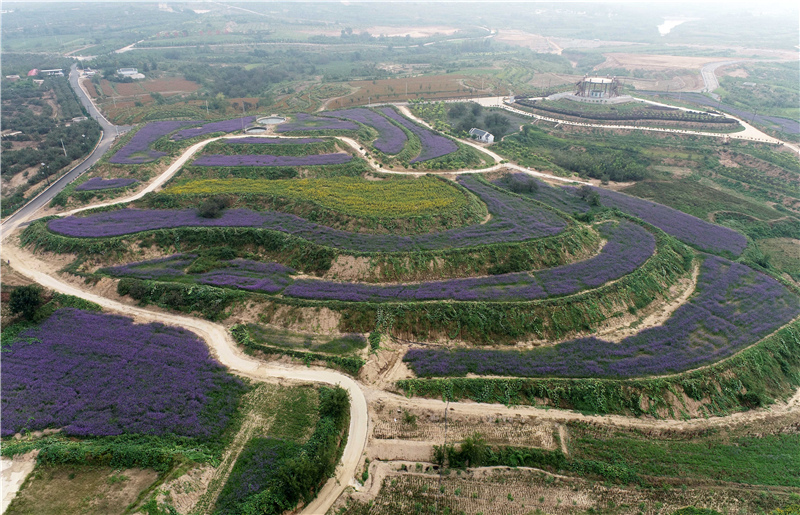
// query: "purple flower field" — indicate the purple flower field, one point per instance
point(391, 139)
point(629, 246)
point(270, 160)
point(170, 266)
point(97, 375)
point(306, 122)
point(224, 126)
point(138, 151)
point(733, 308)
point(687, 228)
point(249, 275)
point(514, 219)
point(96, 183)
point(272, 141)
point(433, 145)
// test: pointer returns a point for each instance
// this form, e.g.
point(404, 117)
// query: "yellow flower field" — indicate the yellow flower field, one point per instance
point(391, 198)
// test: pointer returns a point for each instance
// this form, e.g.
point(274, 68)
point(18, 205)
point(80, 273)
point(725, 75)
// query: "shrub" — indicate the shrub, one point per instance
point(25, 300)
point(212, 207)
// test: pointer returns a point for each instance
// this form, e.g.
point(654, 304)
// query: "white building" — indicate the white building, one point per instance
point(482, 136)
point(58, 72)
point(133, 73)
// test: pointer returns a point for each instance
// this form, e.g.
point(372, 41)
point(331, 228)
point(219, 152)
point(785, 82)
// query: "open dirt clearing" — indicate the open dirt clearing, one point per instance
point(654, 61)
point(74, 489)
point(523, 491)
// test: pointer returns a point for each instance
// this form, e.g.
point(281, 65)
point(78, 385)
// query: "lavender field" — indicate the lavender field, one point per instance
point(97, 375)
point(138, 151)
point(270, 160)
point(514, 219)
point(433, 145)
point(307, 122)
point(249, 275)
point(391, 139)
point(629, 246)
point(252, 140)
point(162, 268)
point(687, 228)
point(733, 308)
point(234, 125)
point(96, 183)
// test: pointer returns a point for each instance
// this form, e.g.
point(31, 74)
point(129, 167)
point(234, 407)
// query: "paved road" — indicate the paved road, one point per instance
point(107, 137)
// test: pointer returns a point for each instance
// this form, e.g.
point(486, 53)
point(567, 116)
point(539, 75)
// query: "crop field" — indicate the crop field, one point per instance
point(392, 198)
point(514, 219)
point(391, 139)
point(99, 370)
point(309, 123)
point(96, 183)
point(689, 229)
point(138, 150)
point(628, 248)
point(218, 160)
point(734, 307)
point(398, 90)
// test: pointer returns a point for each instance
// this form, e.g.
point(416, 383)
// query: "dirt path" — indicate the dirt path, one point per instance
point(223, 471)
point(228, 354)
point(13, 473)
point(777, 410)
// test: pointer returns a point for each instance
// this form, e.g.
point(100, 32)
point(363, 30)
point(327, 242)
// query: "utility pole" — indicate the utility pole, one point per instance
point(206, 107)
point(62, 147)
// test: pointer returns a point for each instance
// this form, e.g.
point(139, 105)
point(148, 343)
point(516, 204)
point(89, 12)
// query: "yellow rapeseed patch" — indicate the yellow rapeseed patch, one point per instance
point(392, 198)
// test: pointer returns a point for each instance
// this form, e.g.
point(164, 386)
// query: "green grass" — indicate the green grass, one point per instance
point(295, 411)
point(769, 460)
point(784, 255)
point(347, 344)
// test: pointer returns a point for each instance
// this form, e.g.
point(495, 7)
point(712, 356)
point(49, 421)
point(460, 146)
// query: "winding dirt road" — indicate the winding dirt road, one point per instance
point(228, 354)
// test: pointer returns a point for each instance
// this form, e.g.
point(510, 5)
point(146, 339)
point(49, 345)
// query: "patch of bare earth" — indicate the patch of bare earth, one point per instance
point(390, 422)
point(348, 268)
point(522, 491)
point(655, 314)
point(78, 489)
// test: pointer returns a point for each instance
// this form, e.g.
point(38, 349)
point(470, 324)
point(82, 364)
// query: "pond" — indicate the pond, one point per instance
point(271, 120)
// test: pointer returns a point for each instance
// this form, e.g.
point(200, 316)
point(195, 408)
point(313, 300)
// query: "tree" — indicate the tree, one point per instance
point(25, 300)
point(212, 207)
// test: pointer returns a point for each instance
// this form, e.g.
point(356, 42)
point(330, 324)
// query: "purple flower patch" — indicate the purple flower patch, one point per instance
point(167, 267)
point(236, 124)
point(306, 122)
point(687, 228)
point(433, 145)
point(96, 183)
point(97, 375)
point(249, 275)
point(629, 246)
point(269, 160)
point(272, 141)
point(514, 219)
point(734, 307)
point(138, 151)
point(391, 139)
